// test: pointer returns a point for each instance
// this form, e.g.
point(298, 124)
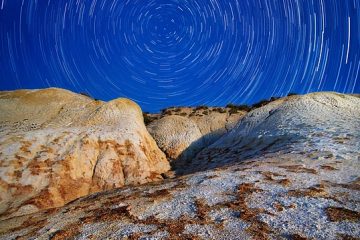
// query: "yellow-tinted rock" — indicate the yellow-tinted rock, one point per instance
point(56, 146)
point(182, 132)
point(179, 137)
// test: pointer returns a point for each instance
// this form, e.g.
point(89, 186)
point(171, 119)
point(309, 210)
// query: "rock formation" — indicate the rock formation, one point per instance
point(215, 124)
point(310, 124)
point(182, 132)
point(178, 137)
point(56, 146)
point(288, 170)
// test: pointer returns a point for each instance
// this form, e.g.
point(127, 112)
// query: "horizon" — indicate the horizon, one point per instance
point(181, 106)
point(181, 53)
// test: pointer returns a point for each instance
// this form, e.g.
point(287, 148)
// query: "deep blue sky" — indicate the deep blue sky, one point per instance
point(162, 53)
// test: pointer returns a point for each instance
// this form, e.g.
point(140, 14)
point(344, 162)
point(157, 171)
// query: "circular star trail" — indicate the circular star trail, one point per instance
point(181, 52)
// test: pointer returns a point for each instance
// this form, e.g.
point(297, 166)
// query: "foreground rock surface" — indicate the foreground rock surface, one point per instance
point(267, 198)
point(56, 146)
point(305, 185)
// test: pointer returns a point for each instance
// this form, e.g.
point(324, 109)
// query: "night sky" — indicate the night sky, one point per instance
point(163, 53)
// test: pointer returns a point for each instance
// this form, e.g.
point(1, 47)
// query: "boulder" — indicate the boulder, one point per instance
point(56, 146)
point(179, 137)
point(216, 124)
point(183, 132)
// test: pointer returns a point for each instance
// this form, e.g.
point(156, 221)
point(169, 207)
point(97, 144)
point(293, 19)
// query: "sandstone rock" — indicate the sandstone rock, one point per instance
point(216, 124)
point(179, 137)
point(182, 132)
point(288, 170)
point(56, 146)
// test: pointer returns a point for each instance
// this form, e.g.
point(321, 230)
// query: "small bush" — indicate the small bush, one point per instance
point(147, 118)
point(260, 104)
point(235, 108)
point(274, 99)
point(201, 108)
point(230, 105)
point(244, 107)
point(292, 94)
point(219, 110)
point(166, 112)
point(264, 102)
point(183, 114)
point(233, 111)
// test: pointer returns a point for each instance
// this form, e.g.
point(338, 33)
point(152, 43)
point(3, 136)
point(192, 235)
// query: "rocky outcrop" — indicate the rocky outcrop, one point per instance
point(215, 124)
point(179, 137)
point(288, 170)
point(317, 122)
point(182, 132)
point(56, 146)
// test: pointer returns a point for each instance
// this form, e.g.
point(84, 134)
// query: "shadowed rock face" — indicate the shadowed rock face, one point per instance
point(183, 132)
point(56, 146)
point(317, 123)
point(179, 137)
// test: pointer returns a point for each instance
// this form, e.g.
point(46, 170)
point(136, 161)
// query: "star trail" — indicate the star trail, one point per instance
point(163, 53)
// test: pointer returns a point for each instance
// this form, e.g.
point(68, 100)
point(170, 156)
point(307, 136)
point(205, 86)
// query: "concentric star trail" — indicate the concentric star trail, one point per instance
point(181, 52)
